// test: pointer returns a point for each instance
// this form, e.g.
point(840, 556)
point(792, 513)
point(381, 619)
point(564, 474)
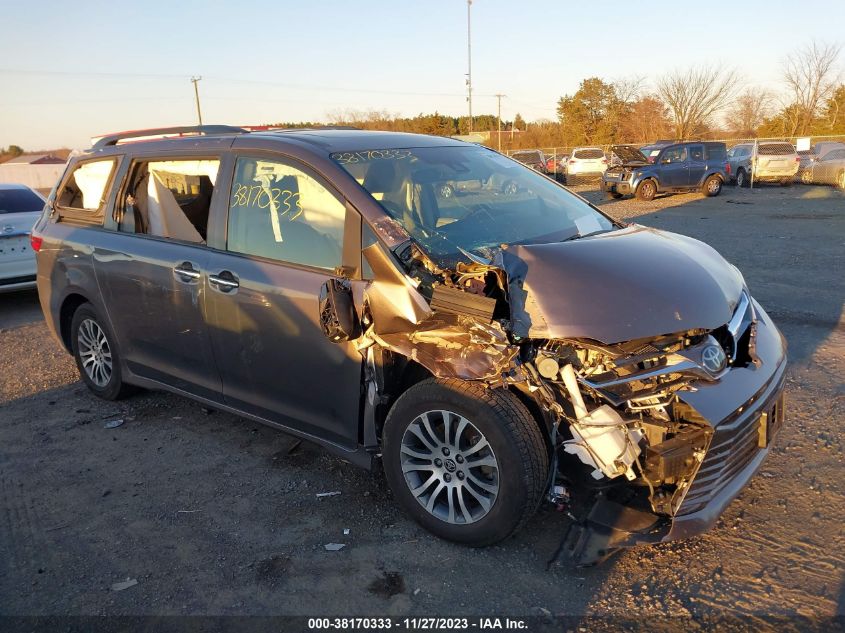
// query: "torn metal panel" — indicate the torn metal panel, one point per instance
point(455, 346)
point(393, 301)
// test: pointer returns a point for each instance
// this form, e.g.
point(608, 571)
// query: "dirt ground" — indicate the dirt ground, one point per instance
point(211, 514)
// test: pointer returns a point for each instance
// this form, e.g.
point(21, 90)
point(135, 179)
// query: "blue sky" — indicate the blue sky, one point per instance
point(69, 71)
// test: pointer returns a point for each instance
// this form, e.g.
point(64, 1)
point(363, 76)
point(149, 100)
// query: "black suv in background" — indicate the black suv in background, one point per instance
point(314, 281)
point(680, 167)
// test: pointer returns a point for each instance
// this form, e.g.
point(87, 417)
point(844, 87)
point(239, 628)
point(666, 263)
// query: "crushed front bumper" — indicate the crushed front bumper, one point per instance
point(746, 410)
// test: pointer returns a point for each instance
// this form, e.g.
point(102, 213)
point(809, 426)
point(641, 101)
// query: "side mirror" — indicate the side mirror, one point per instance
point(338, 318)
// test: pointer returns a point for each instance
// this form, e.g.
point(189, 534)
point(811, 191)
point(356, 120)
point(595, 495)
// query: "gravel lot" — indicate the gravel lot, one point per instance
point(212, 514)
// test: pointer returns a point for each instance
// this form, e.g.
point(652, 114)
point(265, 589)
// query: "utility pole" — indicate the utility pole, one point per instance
point(469, 65)
point(194, 80)
point(499, 117)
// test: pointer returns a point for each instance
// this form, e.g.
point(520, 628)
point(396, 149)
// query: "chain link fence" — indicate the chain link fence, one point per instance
point(754, 161)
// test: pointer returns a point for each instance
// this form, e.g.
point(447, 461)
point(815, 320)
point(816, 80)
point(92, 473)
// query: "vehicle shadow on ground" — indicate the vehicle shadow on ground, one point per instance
point(19, 308)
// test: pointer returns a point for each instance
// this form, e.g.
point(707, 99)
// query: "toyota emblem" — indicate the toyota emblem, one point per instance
point(713, 358)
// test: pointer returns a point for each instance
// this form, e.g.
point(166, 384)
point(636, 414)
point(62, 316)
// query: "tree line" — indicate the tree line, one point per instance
point(695, 102)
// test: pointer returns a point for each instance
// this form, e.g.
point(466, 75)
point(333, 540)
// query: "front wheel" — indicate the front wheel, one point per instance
point(446, 191)
point(712, 186)
point(646, 190)
point(96, 355)
point(467, 462)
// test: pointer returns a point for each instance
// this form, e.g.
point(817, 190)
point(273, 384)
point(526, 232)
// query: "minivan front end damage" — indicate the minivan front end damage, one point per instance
point(650, 436)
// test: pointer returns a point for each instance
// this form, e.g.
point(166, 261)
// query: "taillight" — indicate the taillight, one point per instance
point(604, 160)
point(572, 162)
point(797, 159)
point(727, 168)
point(35, 241)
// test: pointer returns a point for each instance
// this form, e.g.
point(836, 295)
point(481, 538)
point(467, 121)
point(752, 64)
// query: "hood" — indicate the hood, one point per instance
point(628, 284)
point(629, 154)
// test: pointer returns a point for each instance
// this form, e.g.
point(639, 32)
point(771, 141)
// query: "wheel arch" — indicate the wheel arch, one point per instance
point(70, 304)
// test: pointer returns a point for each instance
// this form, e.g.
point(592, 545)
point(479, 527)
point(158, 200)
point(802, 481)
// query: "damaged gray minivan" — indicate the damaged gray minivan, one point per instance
point(495, 348)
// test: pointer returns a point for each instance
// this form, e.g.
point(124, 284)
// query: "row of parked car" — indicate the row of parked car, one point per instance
point(671, 166)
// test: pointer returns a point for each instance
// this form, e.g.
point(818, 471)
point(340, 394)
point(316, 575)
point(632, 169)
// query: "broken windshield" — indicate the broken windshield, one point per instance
point(469, 198)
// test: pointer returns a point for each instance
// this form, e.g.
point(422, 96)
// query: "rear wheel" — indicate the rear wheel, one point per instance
point(446, 191)
point(807, 177)
point(646, 190)
point(786, 182)
point(467, 462)
point(841, 180)
point(612, 194)
point(741, 178)
point(712, 186)
point(96, 355)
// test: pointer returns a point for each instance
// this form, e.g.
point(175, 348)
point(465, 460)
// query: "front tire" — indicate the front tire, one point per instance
point(646, 190)
point(96, 355)
point(467, 462)
point(712, 186)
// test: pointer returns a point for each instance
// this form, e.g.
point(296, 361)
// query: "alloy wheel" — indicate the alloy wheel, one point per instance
point(449, 467)
point(94, 352)
point(714, 185)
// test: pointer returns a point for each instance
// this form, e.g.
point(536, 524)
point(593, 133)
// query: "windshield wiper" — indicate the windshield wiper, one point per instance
point(578, 236)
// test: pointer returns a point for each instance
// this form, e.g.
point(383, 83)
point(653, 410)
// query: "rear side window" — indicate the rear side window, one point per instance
point(837, 154)
point(170, 198)
point(696, 152)
point(19, 201)
point(279, 211)
point(588, 154)
point(83, 194)
point(775, 149)
point(716, 152)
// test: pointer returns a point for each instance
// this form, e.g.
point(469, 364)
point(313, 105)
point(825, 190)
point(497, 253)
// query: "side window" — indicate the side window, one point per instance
point(278, 211)
point(674, 155)
point(696, 152)
point(83, 195)
point(170, 198)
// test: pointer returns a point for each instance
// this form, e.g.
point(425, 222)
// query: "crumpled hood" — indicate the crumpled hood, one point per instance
point(628, 284)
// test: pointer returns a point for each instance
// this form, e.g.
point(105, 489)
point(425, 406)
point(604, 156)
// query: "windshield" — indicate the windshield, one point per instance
point(469, 198)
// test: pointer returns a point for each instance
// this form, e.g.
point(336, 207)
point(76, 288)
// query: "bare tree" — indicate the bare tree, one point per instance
point(748, 111)
point(811, 75)
point(695, 95)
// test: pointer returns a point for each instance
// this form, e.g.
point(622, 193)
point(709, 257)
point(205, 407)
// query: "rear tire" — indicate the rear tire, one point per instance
point(612, 195)
point(96, 354)
point(431, 473)
point(840, 181)
point(712, 186)
point(786, 182)
point(741, 178)
point(646, 190)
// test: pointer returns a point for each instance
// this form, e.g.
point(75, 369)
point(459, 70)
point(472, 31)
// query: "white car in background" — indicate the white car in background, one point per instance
point(584, 162)
point(20, 207)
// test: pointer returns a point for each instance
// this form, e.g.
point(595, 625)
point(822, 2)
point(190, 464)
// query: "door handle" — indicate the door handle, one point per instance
point(186, 272)
point(225, 281)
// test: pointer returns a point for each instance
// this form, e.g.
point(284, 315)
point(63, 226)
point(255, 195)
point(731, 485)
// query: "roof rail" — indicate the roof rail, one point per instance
point(113, 139)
